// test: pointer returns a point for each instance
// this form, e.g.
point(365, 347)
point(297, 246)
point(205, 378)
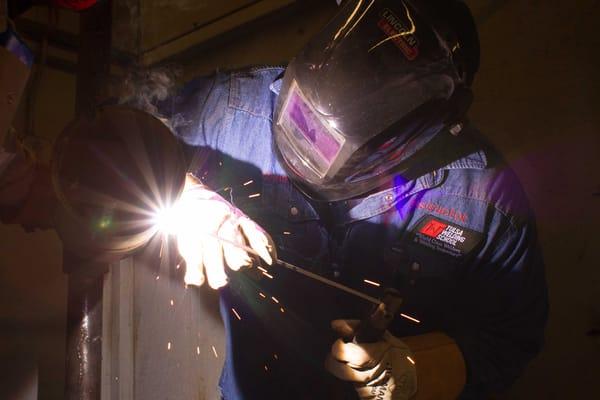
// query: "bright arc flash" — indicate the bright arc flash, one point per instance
point(165, 220)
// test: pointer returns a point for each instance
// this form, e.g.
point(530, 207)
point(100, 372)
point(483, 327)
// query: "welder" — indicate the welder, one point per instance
point(359, 161)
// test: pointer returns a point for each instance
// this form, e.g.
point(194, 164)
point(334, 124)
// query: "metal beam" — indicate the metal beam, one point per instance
point(212, 30)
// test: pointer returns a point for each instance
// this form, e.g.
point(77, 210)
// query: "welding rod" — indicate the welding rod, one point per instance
point(328, 281)
point(303, 271)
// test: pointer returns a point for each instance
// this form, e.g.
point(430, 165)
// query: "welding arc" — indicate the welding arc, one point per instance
point(304, 272)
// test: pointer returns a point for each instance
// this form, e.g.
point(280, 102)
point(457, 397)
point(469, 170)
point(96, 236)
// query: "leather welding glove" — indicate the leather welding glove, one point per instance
point(380, 370)
point(211, 234)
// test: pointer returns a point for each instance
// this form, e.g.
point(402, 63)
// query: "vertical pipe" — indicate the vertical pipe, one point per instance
point(84, 330)
point(84, 308)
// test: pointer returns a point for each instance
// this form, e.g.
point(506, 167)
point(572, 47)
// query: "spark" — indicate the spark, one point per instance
point(236, 314)
point(266, 368)
point(198, 350)
point(371, 282)
point(249, 182)
point(162, 246)
point(172, 302)
point(411, 318)
point(157, 277)
point(262, 295)
point(410, 359)
point(267, 275)
point(178, 265)
point(262, 269)
point(281, 309)
point(168, 345)
point(287, 232)
point(275, 356)
point(215, 351)
point(274, 299)
point(254, 195)
point(220, 163)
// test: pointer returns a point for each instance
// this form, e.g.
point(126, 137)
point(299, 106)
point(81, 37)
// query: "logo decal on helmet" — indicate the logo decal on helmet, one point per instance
point(398, 33)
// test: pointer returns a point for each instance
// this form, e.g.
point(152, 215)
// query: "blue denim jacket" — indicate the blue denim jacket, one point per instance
point(459, 243)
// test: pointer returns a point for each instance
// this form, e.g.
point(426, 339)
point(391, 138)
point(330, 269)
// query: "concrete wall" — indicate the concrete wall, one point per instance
point(537, 98)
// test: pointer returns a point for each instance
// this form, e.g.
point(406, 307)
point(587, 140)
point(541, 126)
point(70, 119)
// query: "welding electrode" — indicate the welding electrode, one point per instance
point(371, 329)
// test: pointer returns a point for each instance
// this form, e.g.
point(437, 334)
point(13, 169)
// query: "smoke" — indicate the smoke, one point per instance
point(146, 88)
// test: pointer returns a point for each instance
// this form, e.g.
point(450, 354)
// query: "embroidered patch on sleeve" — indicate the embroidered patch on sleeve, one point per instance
point(445, 237)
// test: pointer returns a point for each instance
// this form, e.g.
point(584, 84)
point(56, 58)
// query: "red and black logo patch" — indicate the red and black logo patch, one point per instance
point(445, 237)
point(399, 33)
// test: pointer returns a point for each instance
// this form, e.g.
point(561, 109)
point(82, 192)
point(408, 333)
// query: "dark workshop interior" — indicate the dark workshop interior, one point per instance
point(536, 99)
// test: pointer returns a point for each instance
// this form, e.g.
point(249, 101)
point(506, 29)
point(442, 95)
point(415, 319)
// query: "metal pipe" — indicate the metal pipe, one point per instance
point(84, 309)
point(84, 333)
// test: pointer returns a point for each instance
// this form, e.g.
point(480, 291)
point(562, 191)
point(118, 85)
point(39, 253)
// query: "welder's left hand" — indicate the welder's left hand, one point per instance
point(212, 234)
point(379, 370)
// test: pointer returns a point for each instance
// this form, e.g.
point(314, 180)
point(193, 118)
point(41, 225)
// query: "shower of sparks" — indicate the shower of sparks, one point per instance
point(198, 350)
point(172, 302)
point(215, 351)
point(262, 295)
point(274, 299)
point(411, 318)
point(169, 346)
point(410, 359)
point(371, 282)
point(262, 269)
point(267, 275)
point(236, 314)
point(254, 195)
point(281, 309)
point(287, 233)
point(249, 182)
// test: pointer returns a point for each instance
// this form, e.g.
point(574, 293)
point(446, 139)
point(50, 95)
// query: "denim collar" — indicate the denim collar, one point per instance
point(275, 87)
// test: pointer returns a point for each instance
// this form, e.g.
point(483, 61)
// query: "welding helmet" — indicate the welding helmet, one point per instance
point(356, 100)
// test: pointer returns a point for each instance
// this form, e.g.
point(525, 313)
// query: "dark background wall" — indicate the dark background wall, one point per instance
point(537, 98)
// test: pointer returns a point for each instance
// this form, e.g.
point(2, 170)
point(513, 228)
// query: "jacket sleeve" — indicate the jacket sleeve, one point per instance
point(502, 309)
point(195, 113)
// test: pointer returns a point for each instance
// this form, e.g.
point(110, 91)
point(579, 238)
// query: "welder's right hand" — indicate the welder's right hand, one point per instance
point(211, 233)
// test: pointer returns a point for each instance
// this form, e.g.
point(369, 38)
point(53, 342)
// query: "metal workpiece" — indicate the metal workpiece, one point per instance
point(84, 331)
